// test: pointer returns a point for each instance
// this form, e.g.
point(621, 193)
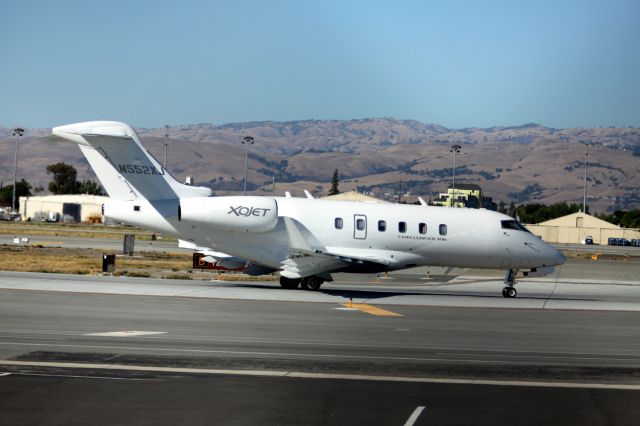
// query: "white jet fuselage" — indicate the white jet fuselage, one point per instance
point(396, 236)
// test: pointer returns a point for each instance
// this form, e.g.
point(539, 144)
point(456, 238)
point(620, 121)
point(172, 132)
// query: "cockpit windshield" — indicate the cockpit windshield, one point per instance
point(514, 224)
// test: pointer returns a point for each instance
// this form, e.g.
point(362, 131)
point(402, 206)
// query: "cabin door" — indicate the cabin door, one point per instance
point(359, 226)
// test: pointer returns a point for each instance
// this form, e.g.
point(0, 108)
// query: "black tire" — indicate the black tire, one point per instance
point(511, 292)
point(311, 283)
point(504, 292)
point(289, 283)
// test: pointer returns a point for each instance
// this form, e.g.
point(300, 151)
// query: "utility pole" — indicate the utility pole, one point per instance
point(247, 140)
point(17, 132)
point(166, 143)
point(456, 150)
point(584, 196)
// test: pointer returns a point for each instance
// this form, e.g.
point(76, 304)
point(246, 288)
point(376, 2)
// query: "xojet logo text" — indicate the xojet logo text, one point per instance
point(248, 211)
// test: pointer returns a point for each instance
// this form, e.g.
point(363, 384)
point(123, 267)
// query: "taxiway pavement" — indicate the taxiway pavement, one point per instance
point(133, 350)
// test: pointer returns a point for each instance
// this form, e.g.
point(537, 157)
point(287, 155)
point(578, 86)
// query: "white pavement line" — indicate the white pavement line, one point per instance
point(414, 416)
point(303, 375)
point(123, 367)
point(131, 333)
point(4, 374)
point(70, 376)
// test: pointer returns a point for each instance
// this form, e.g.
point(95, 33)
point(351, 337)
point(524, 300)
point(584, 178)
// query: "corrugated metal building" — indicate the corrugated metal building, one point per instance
point(574, 228)
point(80, 207)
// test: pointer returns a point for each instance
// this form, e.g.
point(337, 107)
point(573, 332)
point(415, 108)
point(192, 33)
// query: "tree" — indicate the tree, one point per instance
point(64, 179)
point(23, 189)
point(90, 187)
point(335, 181)
point(538, 212)
point(626, 219)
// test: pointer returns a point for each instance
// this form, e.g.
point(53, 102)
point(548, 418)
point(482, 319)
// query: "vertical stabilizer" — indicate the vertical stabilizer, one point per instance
point(123, 166)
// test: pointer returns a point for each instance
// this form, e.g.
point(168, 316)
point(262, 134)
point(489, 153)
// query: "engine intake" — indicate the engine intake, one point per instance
point(235, 214)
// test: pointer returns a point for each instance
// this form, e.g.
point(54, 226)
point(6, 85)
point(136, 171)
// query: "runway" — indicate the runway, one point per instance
point(252, 353)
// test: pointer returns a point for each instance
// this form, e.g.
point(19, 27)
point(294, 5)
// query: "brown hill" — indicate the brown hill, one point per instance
point(524, 163)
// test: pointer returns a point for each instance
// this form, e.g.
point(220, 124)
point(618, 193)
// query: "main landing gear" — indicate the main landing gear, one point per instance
point(289, 283)
point(312, 283)
point(510, 281)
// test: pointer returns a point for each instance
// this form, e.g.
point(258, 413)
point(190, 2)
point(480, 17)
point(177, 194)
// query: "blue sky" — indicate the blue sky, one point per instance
point(455, 63)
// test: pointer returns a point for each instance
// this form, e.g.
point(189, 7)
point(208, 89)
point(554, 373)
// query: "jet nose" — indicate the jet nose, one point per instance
point(555, 257)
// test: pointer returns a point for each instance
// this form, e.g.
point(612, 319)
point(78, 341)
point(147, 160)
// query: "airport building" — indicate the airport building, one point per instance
point(458, 196)
point(576, 227)
point(464, 195)
point(68, 208)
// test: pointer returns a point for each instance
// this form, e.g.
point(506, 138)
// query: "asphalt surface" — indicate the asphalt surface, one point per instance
point(106, 350)
point(228, 400)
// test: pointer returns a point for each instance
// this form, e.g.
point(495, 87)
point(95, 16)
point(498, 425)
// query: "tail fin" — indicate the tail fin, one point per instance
point(124, 167)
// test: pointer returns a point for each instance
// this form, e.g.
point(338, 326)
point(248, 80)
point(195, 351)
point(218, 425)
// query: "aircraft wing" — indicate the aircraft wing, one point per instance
point(304, 265)
point(305, 260)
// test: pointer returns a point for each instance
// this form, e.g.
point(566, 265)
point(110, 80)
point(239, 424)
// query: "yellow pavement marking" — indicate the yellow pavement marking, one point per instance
point(370, 309)
point(44, 243)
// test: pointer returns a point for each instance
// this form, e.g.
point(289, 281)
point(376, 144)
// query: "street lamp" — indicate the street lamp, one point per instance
point(584, 196)
point(456, 150)
point(166, 142)
point(17, 132)
point(246, 141)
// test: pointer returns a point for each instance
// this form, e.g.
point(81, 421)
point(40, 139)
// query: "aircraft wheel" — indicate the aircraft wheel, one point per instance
point(504, 292)
point(509, 292)
point(289, 283)
point(311, 283)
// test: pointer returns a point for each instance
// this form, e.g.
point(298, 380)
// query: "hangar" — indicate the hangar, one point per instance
point(354, 196)
point(74, 208)
point(574, 228)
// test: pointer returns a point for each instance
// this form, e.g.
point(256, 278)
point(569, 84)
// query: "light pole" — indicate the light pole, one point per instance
point(246, 141)
point(584, 196)
point(456, 150)
point(166, 143)
point(17, 132)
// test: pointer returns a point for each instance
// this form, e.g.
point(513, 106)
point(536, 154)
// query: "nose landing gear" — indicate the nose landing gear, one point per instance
point(510, 281)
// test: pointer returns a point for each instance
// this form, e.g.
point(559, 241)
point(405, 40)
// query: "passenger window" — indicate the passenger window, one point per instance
point(360, 224)
point(382, 225)
point(422, 228)
point(443, 229)
point(402, 227)
point(338, 223)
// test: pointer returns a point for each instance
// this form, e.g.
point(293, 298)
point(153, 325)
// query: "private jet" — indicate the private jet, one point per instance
point(304, 239)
